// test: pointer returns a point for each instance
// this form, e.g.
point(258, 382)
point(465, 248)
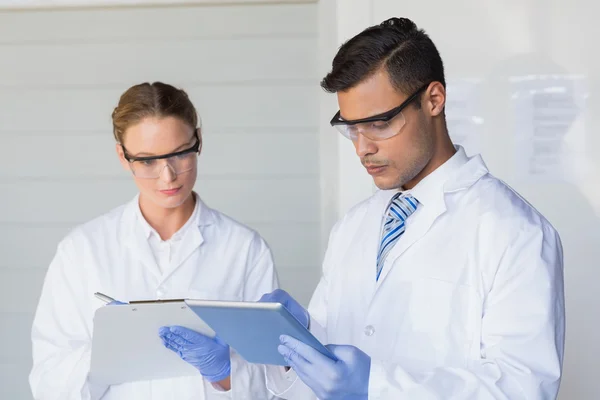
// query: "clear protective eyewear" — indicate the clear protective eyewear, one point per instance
point(151, 167)
point(378, 127)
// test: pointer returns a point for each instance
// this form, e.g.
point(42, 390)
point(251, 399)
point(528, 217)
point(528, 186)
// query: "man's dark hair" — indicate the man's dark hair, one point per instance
point(408, 54)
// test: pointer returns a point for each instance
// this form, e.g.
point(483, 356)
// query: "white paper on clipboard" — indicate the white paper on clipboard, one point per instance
point(126, 346)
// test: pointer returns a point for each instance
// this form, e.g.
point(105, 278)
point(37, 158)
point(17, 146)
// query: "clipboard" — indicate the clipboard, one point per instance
point(126, 346)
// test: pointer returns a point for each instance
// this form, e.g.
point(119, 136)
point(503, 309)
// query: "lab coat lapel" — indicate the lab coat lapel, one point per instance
point(421, 221)
point(137, 242)
point(368, 241)
point(192, 239)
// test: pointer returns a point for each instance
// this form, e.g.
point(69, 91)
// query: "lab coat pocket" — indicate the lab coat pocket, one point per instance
point(440, 320)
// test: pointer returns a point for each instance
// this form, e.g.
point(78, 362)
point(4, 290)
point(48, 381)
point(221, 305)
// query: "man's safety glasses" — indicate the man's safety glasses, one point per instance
point(151, 167)
point(378, 127)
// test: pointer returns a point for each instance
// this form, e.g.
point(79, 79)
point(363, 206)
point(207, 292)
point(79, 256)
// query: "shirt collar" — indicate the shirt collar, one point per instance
point(149, 231)
point(430, 187)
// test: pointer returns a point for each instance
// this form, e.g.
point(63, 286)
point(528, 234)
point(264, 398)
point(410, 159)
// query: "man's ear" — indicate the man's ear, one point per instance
point(434, 99)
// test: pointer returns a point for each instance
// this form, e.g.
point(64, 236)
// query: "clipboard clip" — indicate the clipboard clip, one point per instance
point(156, 301)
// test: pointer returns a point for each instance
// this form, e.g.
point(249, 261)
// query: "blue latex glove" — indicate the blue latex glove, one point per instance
point(347, 378)
point(283, 297)
point(115, 303)
point(209, 356)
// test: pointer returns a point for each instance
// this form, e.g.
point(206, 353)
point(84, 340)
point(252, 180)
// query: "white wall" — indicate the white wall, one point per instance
point(490, 42)
point(343, 181)
point(250, 70)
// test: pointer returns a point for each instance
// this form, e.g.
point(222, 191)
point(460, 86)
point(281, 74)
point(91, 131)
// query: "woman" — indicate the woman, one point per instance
point(165, 243)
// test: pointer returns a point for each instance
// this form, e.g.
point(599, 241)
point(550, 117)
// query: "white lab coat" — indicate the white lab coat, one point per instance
point(217, 259)
point(470, 302)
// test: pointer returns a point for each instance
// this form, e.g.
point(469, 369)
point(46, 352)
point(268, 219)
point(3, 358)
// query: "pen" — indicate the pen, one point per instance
point(103, 297)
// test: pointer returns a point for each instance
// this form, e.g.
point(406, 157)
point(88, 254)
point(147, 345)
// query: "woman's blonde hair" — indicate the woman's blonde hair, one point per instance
point(152, 100)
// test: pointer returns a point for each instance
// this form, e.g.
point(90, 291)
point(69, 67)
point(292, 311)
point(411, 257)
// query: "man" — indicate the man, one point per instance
point(445, 284)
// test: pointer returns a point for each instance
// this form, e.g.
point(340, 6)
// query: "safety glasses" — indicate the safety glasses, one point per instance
point(377, 127)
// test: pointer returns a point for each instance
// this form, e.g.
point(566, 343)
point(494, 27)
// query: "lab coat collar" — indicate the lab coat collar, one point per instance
point(202, 215)
point(194, 219)
point(138, 230)
point(467, 175)
point(431, 188)
point(458, 173)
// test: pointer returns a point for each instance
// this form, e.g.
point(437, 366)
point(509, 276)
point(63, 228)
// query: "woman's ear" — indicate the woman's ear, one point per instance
point(199, 133)
point(121, 155)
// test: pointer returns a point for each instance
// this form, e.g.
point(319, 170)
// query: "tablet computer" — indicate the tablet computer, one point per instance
point(126, 346)
point(253, 329)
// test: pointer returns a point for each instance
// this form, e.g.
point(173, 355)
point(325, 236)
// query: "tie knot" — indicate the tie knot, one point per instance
point(402, 206)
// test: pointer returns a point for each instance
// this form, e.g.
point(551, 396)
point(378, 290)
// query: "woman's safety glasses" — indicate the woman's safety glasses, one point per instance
point(378, 127)
point(151, 167)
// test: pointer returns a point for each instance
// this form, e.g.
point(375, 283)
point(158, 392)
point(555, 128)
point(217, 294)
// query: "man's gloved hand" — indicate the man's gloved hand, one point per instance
point(281, 296)
point(347, 378)
point(209, 356)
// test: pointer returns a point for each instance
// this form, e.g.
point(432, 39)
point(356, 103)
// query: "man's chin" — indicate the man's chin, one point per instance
point(384, 183)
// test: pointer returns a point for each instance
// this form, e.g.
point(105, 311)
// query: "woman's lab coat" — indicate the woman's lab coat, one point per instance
point(470, 302)
point(218, 259)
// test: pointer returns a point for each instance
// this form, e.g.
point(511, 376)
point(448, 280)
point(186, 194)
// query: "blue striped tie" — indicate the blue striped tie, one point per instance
point(400, 208)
